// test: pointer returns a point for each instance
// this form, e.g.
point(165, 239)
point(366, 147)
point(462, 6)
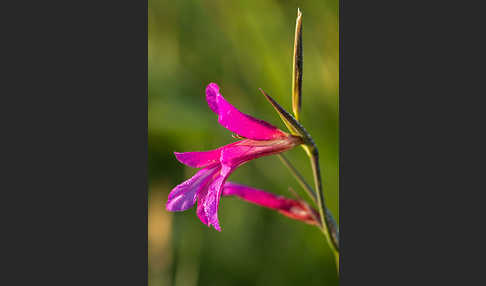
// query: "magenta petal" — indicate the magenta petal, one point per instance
point(238, 122)
point(211, 201)
point(203, 159)
point(201, 197)
point(200, 211)
point(212, 93)
point(294, 209)
point(199, 159)
point(184, 195)
point(255, 196)
point(247, 149)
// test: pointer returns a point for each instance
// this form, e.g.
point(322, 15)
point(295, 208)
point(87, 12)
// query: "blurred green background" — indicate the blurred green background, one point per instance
point(241, 45)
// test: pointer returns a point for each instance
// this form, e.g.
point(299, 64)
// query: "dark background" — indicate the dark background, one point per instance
point(74, 143)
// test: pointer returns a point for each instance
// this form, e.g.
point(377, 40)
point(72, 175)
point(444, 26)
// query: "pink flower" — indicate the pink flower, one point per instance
point(295, 209)
point(206, 185)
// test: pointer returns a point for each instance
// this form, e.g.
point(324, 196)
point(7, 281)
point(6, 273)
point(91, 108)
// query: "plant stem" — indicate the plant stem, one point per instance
point(330, 228)
point(328, 224)
point(298, 176)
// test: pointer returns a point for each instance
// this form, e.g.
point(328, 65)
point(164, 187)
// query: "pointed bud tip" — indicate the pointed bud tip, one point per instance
point(287, 119)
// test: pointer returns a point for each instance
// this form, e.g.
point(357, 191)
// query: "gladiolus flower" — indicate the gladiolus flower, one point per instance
point(295, 209)
point(205, 187)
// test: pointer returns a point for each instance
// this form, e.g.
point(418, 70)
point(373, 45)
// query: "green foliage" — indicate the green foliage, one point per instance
point(242, 46)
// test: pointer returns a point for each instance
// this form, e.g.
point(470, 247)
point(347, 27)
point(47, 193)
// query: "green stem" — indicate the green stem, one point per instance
point(336, 255)
point(330, 228)
point(328, 225)
point(298, 176)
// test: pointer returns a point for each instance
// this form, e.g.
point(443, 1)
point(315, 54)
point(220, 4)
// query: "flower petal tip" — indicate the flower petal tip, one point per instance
point(169, 207)
point(213, 86)
point(212, 92)
point(178, 204)
point(178, 156)
point(236, 121)
point(217, 227)
point(187, 159)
